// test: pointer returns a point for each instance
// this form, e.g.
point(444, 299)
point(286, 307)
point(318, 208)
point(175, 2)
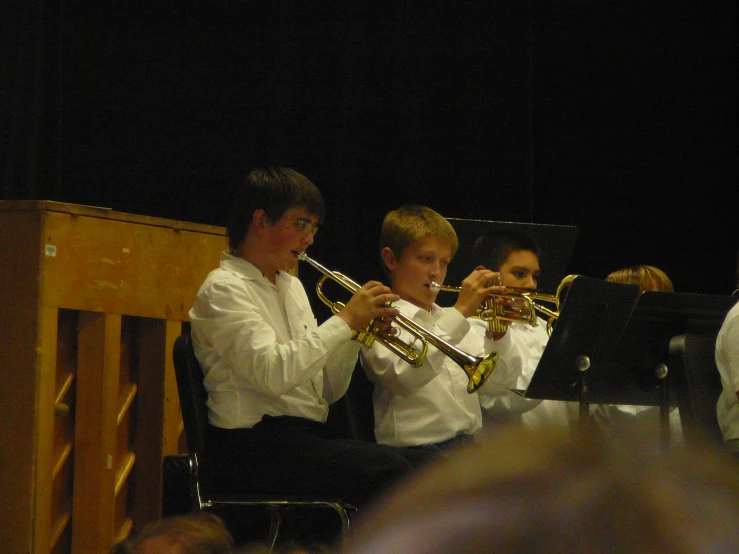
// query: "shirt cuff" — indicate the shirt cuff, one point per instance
point(334, 332)
point(454, 324)
point(502, 346)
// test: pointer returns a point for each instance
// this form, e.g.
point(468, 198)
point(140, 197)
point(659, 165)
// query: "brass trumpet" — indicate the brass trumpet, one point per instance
point(477, 368)
point(523, 308)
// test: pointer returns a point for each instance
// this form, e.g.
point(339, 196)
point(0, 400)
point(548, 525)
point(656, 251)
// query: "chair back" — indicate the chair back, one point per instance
point(192, 393)
point(697, 385)
point(360, 407)
point(193, 397)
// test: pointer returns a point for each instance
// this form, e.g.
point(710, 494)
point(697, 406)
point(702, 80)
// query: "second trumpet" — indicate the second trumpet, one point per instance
point(518, 305)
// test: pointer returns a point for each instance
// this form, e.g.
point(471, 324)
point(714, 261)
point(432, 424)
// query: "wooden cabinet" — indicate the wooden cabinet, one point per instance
point(91, 301)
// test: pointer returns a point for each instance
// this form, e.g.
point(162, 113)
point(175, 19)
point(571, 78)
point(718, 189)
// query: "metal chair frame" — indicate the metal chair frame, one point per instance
point(192, 395)
point(698, 386)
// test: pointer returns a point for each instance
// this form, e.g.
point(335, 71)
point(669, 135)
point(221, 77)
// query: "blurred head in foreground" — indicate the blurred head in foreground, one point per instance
point(196, 533)
point(547, 491)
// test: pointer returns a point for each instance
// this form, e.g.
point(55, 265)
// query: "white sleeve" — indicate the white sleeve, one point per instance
point(496, 398)
point(389, 371)
point(229, 317)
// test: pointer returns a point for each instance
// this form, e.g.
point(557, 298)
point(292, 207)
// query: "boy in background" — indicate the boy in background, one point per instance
point(727, 361)
point(618, 422)
point(515, 256)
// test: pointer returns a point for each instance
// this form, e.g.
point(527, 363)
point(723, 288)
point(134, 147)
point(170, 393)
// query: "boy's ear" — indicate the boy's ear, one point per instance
point(388, 257)
point(259, 220)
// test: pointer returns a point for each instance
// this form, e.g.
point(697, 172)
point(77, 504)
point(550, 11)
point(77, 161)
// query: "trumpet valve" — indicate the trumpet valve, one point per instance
point(366, 336)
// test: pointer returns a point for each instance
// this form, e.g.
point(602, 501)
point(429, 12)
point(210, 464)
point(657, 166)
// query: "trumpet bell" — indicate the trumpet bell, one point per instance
point(479, 371)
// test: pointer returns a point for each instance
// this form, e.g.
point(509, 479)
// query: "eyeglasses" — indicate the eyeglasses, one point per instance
point(306, 226)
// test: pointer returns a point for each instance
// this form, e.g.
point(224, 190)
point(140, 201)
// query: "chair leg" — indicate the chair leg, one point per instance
point(275, 522)
point(343, 515)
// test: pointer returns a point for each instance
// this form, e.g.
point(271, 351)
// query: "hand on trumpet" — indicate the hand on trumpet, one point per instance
point(476, 288)
point(370, 302)
point(481, 291)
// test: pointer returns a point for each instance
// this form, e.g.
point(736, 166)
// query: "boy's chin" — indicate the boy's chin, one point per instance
point(291, 268)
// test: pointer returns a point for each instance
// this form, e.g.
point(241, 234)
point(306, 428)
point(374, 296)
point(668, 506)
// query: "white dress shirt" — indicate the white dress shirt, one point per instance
point(620, 423)
point(430, 404)
point(261, 349)
point(727, 361)
point(509, 407)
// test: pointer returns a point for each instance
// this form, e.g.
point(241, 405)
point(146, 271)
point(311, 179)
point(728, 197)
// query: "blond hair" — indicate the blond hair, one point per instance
point(646, 277)
point(410, 223)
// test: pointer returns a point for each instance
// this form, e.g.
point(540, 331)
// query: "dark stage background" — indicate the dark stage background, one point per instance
point(618, 117)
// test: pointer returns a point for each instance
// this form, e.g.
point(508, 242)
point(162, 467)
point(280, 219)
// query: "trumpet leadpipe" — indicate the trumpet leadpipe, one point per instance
point(436, 287)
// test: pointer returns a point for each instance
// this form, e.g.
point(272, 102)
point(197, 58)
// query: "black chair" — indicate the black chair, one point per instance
point(359, 406)
point(697, 385)
point(193, 398)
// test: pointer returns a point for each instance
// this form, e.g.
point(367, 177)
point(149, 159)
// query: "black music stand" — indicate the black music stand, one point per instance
point(644, 349)
point(644, 346)
point(556, 243)
point(577, 357)
point(626, 338)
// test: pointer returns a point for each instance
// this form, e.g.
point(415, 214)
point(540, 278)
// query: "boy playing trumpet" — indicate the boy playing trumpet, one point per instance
point(270, 370)
point(429, 407)
point(515, 256)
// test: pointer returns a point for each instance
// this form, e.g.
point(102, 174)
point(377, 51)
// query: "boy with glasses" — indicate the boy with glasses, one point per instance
point(271, 371)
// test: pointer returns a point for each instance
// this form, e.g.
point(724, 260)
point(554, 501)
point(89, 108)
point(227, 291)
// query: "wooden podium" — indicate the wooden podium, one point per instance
point(91, 301)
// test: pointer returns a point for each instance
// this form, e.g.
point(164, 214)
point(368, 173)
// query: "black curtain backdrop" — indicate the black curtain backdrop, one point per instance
point(618, 117)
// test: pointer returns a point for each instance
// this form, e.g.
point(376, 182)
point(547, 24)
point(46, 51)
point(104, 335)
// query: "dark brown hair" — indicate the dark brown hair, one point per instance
point(492, 250)
point(274, 190)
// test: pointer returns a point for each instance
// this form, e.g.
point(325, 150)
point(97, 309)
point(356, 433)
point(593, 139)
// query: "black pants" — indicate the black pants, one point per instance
point(300, 456)
point(446, 447)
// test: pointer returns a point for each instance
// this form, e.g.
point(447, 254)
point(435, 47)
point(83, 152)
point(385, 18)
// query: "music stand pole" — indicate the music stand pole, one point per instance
point(665, 437)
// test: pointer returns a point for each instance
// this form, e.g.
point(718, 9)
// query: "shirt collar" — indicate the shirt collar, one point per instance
point(412, 310)
point(243, 269)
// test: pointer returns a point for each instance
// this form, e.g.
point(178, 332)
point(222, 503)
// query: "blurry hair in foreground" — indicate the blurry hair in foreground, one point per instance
point(548, 491)
point(194, 533)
